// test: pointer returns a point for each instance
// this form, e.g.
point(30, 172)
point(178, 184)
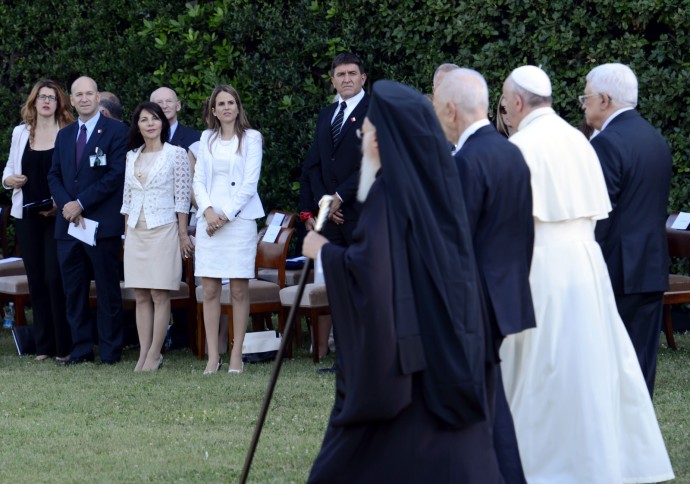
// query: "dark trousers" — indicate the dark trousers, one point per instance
point(77, 262)
point(505, 439)
point(642, 315)
point(39, 252)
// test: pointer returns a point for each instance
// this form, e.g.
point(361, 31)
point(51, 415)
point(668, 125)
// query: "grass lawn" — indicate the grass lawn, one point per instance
point(107, 424)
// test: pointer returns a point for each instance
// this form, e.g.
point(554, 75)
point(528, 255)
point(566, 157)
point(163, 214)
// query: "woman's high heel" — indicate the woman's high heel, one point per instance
point(211, 372)
point(232, 370)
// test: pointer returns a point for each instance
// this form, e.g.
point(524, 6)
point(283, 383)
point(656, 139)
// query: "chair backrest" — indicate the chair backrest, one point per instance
point(678, 240)
point(272, 255)
point(288, 221)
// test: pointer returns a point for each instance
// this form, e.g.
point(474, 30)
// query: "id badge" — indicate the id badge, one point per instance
point(98, 159)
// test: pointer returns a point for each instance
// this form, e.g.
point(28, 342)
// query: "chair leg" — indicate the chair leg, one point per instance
point(668, 327)
point(200, 332)
point(314, 316)
point(191, 323)
point(19, 314)
point(282, 321)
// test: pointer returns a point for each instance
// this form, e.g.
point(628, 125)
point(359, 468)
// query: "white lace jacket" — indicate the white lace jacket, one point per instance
point(168, 188)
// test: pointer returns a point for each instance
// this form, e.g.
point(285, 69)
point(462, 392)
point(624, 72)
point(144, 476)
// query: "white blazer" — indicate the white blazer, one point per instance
point(20, 136)
point(167, 191)
point(243, 181)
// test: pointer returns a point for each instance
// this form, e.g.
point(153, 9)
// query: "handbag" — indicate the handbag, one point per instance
point(260, 346)
point(24, 340)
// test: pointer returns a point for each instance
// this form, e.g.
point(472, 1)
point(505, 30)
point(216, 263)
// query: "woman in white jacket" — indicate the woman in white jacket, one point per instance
point(45, 111)
point(155, 205)
point(225, 187)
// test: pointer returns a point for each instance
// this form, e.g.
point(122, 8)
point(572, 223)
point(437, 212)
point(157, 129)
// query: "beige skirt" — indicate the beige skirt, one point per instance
point(152, 257)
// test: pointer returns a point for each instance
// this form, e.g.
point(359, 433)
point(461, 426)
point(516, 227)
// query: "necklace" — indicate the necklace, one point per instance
point(143, 164)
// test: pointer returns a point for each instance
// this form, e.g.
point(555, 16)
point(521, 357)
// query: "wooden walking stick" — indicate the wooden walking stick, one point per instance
point(324, 208)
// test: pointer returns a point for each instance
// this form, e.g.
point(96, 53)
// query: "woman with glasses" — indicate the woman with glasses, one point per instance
point(225, 187)
point(45, 111)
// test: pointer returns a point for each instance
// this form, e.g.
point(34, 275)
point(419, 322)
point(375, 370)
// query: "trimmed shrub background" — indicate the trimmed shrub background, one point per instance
point(277, 54)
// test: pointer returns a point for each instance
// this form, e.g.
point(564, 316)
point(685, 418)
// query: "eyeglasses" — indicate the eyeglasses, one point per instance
point(360, 133)
point(582, 99)
point(46, 97)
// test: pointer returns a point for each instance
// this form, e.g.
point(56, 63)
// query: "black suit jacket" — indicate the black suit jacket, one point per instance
point(637, 166)
point(98, 188)
point(332, 168)
point(498, 198)
point(184, 136)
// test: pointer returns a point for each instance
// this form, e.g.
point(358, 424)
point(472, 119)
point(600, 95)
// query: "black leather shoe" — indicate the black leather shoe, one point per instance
point(330, 369)
point(75, 361)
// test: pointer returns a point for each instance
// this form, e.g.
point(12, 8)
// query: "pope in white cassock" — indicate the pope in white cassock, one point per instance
point(581, 407)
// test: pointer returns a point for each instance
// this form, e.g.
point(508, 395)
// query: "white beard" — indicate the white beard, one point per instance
point(370, 167)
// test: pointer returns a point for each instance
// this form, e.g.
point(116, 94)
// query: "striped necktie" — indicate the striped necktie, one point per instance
point(338, 123)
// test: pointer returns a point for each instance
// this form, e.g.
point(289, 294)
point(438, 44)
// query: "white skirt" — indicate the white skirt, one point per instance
point(152, 257)
point(581, 407)
point(230, 253)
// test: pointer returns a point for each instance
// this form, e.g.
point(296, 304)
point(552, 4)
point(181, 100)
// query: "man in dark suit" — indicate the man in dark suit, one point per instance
point(180, 135)
point(637, 165)
point(498, 199)
point(333, 161)
point(86, 181)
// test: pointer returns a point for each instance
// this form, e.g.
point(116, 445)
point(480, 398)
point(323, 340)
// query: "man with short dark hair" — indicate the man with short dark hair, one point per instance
point(334, 159)
point(637, 166)
point(110, 109)
point(180, 135)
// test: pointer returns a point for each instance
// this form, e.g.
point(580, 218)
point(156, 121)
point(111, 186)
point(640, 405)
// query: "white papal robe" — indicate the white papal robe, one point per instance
point(581, 407)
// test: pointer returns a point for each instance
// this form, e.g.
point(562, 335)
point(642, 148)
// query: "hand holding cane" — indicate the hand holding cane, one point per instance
point(324, 209)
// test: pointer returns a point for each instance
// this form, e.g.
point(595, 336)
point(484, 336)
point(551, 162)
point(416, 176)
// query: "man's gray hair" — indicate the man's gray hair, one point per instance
point(469, 97)
point(532, 100)
point(443, 68)
point(616, 80)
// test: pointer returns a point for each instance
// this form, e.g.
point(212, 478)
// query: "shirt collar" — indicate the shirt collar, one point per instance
point(610, 118)
point(90, 124)
point(537, 113)
point(173, 127)
point(471, 129)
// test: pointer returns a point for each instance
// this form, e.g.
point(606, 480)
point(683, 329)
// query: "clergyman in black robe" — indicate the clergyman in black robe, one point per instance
point(411, 397)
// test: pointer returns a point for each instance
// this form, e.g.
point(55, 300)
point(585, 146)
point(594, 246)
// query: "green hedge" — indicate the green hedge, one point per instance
point(278, 53)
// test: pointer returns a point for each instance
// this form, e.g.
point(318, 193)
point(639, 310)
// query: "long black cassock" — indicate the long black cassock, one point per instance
point(410, 401)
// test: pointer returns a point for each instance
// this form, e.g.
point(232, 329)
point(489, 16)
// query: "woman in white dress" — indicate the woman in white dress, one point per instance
point(155, 204)
point(225, 183)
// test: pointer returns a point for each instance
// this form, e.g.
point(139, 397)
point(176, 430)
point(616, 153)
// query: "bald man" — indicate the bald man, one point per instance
point(86, 180)
point(498, 200)
point(180, 135)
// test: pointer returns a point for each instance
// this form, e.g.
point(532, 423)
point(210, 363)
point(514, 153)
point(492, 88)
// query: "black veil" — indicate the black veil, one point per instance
point(437, 302)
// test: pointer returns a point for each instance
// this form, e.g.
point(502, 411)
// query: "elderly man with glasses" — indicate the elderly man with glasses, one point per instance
point(637, 164)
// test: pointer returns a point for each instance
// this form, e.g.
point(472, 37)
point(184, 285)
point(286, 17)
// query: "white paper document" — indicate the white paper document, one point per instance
point(271, 233)
point(682, 221)
point(278, 219)
point(86, 235)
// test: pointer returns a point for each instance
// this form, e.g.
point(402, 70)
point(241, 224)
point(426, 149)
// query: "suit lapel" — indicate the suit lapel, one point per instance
point(357, 114)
